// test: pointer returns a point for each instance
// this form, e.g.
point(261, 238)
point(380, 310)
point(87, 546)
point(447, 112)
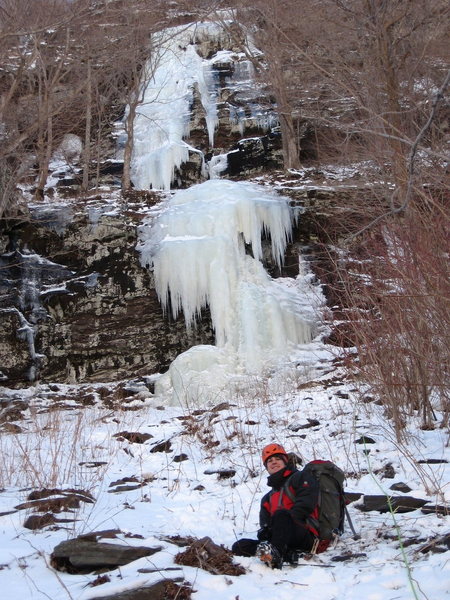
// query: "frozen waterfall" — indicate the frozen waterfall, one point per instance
point(175, 70)
point(163, 117)
point(197, 248)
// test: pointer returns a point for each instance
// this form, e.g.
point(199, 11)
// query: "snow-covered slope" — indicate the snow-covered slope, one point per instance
point(207, 479)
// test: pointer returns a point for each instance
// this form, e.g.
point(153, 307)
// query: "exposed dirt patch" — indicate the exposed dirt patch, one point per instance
point(49, 502)
point(134, 437)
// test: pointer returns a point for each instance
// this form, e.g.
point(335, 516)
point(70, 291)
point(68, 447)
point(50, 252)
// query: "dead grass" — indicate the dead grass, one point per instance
point(396, 297)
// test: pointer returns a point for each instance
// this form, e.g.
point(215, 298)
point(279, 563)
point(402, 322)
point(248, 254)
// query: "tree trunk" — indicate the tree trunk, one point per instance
point(128, 150)
point(87, 129)
point(276, 62)
point(395, 129)
point(45, 142)
point(386, 58)
point(290, 143)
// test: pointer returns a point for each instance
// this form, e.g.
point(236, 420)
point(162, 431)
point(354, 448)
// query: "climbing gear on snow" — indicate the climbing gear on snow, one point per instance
point(356, 536)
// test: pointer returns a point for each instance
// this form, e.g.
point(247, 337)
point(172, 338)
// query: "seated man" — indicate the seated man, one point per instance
point(284, 512)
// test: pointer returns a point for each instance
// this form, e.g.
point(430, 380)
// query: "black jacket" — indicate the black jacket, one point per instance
point(304, 489)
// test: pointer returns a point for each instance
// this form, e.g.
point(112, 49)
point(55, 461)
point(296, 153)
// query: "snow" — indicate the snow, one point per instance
point(68, 152)
point(217, 165)
point(54, 443)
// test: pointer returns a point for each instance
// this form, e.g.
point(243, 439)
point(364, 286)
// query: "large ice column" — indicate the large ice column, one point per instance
point(163, 117)
point(197, 248)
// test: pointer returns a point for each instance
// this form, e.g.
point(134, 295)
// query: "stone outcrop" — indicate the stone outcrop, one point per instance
point(76, 305)
point(384, 504)
point(164, 589)
point(82, 555)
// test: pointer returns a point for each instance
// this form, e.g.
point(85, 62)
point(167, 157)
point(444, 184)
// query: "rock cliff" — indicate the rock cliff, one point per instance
point(76, 305)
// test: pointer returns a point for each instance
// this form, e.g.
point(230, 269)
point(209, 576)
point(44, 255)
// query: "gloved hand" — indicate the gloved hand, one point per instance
point(263, 534)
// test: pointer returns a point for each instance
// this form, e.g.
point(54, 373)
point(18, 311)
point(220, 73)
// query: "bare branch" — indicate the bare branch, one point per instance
point(439, 96)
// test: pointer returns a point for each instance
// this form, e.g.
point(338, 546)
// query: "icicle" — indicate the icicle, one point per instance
point(196, 247)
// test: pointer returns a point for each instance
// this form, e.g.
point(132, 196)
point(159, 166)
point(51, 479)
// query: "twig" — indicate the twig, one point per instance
point(411, 581)
point(429, 545)
point(411, 163)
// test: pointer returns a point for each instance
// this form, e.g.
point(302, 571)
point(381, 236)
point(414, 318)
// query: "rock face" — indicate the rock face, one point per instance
point(76, 305)
point(84, 555)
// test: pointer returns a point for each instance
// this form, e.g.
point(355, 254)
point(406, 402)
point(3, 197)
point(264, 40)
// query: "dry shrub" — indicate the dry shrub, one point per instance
point(401, 299)
point(205, 554)
point(61, 445)
point(173, 591)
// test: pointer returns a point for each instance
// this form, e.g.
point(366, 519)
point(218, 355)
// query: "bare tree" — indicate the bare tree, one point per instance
point(67, 65)
point(121, 52)
point(361, 72)
point(396, 300)
point(272, 16)
point(270, 57)
point(52, 69)
point(35, 44)
point(393, 75)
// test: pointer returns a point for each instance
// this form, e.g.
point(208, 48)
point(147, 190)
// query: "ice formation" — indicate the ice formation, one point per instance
point(162, 123)
point(26, 272)
point(198, 248)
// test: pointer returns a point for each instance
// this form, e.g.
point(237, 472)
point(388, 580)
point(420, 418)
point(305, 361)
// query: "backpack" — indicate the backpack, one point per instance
point(331, 503)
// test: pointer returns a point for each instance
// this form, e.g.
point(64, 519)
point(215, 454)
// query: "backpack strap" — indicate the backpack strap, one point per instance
point(286, 490)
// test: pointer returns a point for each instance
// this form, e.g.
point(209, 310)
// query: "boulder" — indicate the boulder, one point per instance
point(165, 589)
point(400, 486)
point(383, 504)
point(83, 556)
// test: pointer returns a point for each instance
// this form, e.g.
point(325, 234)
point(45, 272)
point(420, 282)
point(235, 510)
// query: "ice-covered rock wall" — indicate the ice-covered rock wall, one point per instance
point(95, 315)
point(196, 85)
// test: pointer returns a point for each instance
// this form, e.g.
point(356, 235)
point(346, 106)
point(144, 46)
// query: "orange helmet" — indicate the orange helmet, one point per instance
point(272, 449)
